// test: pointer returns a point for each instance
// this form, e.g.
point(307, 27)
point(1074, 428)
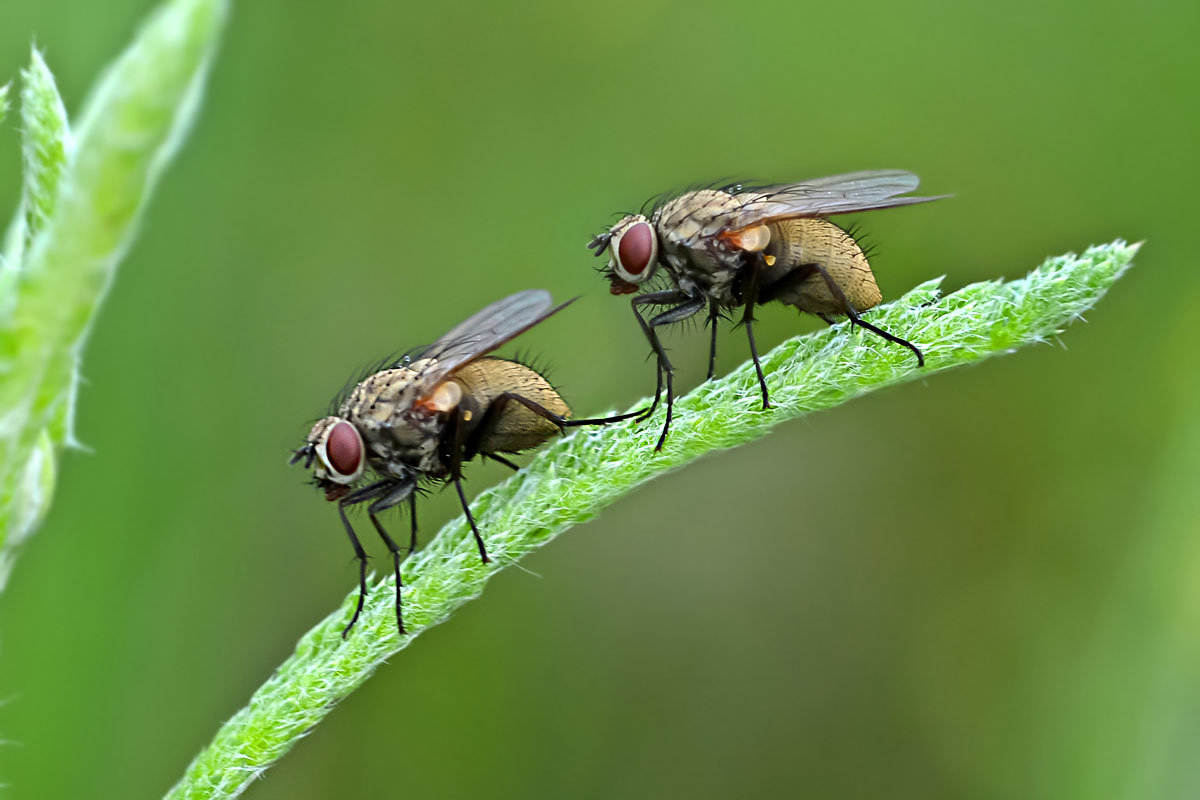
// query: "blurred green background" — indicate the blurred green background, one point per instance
point(980, 585)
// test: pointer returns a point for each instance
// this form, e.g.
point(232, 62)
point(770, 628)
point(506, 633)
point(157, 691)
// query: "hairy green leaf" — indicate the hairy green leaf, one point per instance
point(575, 477)
point(46, 145)
point(80, 209)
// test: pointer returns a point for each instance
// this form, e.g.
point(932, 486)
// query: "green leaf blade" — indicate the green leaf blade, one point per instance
point(575, 477)
point(84, 197)
point(46, 144)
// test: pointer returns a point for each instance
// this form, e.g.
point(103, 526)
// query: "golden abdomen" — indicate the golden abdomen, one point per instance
point(516, 428)
point(799, 243)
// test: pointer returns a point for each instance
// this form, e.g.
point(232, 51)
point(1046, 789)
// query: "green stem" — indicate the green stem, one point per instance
point(575, 477)
point(83, 195)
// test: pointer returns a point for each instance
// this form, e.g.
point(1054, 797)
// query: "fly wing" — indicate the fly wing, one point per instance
point(483, 332)
point(823, 197)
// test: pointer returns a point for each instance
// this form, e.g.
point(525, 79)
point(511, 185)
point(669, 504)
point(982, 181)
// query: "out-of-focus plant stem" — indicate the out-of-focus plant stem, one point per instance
point(82, 197)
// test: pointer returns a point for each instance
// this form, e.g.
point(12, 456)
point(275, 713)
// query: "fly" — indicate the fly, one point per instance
point(426, 414)
point(739, 246)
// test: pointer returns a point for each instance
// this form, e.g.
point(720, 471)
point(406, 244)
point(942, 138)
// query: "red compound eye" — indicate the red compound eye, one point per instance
point(344, 449)
point(636, 249)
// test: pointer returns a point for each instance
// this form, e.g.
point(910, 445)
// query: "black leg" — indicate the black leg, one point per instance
point(377, 489)
point(502, 460)
point(454, 458)
point(655, 298)
point(658, 387)
point(577, 423)
point(545, 413)
point(662, 363)
point(412, 513)
point(491, 417)
point(669, 317)
point(495, 410)
point(361, 555)
point(466, 507)
point(714, 314)
point(360, 496)
point(399, 494)
point(857, 320)
point(685, 309)
point(751, 297)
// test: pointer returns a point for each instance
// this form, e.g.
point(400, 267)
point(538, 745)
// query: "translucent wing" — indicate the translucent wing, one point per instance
point(483, 332)
point(823, 197)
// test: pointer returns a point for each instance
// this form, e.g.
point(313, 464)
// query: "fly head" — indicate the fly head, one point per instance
point(633, 253)
point(334, 451)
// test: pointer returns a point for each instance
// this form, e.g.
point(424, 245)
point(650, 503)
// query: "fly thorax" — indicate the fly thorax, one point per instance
point(375, 400)
point(692, 255)
point(687, 217)
point(397, 432)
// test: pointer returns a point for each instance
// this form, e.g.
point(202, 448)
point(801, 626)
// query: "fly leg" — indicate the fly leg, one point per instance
point(750, 298)
point(476, 441)
point(496, 408)
point(663, 363)
point(359, 496)
point(487, 424)
point(855, 319)
point(452, 454)
point(658, 387)
point(412, 514)
point(502, 460)
point(714, 314)
point(575, 423)
point(401, 492)
point(687, 307)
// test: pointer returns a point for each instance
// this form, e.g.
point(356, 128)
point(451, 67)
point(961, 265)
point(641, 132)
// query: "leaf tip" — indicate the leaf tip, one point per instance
point(38, 70)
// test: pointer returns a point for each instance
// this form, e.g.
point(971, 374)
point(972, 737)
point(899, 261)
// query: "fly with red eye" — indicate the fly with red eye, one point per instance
point(422, 417)
point(634, 246)
point(736, 246)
